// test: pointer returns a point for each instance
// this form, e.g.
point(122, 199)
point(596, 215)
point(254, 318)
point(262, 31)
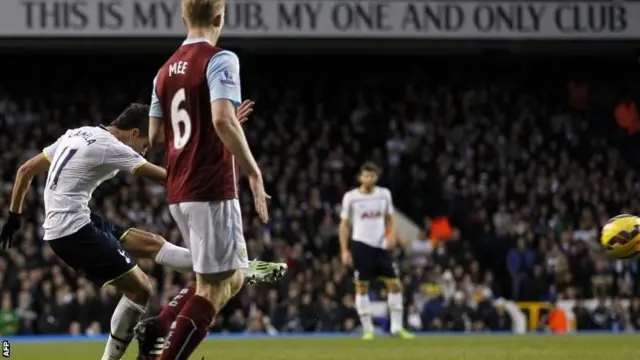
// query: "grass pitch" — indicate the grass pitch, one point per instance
point(494, 347)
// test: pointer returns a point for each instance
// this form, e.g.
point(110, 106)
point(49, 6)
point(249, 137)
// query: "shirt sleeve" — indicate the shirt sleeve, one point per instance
point(390, 208)
point(223, 77)
point(155, 110)
point(123, 158)
point(50, 151)
point(345, 212)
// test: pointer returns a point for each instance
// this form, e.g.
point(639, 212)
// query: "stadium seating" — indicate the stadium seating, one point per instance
point(496, 149)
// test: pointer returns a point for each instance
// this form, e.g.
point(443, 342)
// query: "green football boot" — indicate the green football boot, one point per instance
point(264, 272)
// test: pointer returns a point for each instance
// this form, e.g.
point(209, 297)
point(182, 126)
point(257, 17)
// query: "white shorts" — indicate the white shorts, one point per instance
point(213, 233)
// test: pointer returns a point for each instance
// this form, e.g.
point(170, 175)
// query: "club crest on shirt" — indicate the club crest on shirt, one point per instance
point(229, 79)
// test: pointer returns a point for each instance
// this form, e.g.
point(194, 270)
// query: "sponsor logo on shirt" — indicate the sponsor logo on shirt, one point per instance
point(371, 214)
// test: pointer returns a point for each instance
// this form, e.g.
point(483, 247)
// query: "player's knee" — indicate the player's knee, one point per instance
point(143, 244)
point(215, 287)
point(144, 291)
point(205, 290)
point(141, 295)
point(393, 285)
point(136, 286)
point(236, 282)
point(153, 244)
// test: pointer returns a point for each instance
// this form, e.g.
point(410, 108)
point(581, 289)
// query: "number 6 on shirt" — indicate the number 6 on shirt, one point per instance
point(180, 116)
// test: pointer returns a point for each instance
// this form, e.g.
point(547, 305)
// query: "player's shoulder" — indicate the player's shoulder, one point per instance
point(383, 190)
point(351, 193)
point(101, 138)
point(223, 59)
point(85, 129)
point(86, 132)
point(226, 54)
point(224, 68)
point(101, 133)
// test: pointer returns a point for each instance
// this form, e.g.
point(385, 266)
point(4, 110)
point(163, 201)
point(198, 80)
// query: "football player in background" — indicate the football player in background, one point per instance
point(367, 214)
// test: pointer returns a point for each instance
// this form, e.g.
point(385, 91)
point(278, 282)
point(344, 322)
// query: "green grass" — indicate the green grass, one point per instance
point(569, 347)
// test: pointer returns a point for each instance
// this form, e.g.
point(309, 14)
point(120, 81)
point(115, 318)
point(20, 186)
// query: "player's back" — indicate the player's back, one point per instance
point(77, 168)
point(199, 167)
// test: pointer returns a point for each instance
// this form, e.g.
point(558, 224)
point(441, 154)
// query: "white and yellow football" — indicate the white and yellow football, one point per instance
point(620, 236)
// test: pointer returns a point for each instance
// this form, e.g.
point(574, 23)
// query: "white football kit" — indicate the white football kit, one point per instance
point(367, 214)
point(81, 160)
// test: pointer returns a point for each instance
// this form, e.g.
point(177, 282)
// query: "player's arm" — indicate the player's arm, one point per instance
point(124, 158)
point(34, 166)
point(152, 171)
point(223, 77)
point(390, 221)
point(26, 172)
point(156, 133)
point(156, 126)
point(345, 224)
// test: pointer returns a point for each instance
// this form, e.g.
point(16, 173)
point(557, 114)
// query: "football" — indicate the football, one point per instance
point(620, 236)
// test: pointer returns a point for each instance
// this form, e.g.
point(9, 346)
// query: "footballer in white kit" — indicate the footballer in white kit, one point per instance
point(78, 162)
point(82, 159)
point(367, 215)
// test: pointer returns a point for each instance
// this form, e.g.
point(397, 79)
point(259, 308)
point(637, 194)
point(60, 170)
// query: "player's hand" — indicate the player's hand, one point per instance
point(393, 241)
point(10, 228)
point(259, 197)
point(244, 110)
point(345, 256)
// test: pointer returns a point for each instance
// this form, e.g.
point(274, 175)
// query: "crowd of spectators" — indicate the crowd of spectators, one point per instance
point(522, 176)
point(604, 316)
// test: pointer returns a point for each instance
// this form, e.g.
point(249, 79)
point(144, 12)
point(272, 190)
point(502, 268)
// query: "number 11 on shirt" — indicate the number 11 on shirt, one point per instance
point(61, 162)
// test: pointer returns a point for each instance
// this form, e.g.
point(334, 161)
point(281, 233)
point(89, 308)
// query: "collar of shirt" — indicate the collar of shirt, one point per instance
point(195, 41)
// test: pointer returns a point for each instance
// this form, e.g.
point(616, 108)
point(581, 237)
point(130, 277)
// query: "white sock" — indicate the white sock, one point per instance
point(175, 257)
point(124, 319)
point(363, 305)
point(394, 300)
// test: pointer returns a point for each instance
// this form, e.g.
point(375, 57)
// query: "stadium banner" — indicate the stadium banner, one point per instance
point(374, 19)
point(534, 312)
point(537, 311)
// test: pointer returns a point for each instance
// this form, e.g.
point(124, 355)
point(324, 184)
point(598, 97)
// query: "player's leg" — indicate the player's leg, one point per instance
point(146, 245)
point(363, 306)
point(219, 258)
point(121, 272)
point(136, 290)
point(100, 256)
point(363, 268)
point(151, 331)
point(395, 302)
point(388, 271)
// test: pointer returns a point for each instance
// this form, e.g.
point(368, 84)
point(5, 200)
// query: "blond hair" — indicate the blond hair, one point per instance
point(201, 13)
